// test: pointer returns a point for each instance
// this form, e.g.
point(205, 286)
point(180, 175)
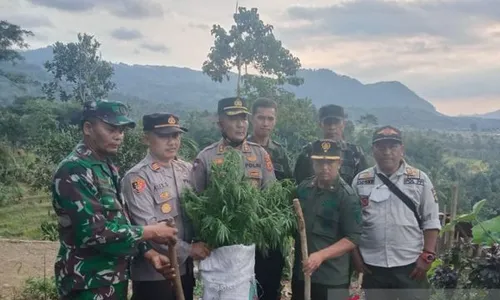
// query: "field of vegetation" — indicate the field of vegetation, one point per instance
point(37, 132)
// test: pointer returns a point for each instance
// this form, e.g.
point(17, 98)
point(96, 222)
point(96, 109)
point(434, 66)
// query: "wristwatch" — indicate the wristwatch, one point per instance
point(428, 257)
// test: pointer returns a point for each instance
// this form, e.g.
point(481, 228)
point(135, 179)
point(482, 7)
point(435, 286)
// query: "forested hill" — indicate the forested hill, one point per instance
point(391, 102)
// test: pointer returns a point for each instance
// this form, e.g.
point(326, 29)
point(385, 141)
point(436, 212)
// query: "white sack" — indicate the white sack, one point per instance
point(228, 273)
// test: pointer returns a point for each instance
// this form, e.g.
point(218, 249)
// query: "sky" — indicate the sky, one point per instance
point(448, 52)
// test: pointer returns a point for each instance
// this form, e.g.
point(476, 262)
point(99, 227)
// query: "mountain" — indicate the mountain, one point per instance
point(155, 87)
point(490, 115)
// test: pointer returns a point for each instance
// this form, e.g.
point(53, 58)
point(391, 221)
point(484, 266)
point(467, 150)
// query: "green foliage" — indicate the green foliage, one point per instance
point(39, 289)
point(80, 65)
point(249, 43)
point(12, 35)
point(232, 211)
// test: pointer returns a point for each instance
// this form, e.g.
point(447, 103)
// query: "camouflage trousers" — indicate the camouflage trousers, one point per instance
point(116, 291)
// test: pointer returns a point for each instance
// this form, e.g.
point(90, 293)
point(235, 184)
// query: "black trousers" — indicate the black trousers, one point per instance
point(394, 283)
point(268, 271)
point(162, 290)
point(321, 291)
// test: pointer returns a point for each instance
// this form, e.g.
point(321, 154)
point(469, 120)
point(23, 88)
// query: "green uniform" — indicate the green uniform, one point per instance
point(354, 161)
point(329, 215)
point(96, 238)
point(279, 157)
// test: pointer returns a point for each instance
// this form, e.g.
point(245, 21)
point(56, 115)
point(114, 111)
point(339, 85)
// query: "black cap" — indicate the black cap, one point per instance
point(331, 111)
point(387, 133)
point(111, 112)
point(326, 149)
point(162, 123)
point(232, 106)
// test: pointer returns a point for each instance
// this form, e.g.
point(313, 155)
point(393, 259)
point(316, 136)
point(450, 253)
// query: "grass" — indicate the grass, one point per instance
point(23, 219)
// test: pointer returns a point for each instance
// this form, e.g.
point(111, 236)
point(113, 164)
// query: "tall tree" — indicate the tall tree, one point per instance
point(80, 66)
point(249, 43)
point(10, 36)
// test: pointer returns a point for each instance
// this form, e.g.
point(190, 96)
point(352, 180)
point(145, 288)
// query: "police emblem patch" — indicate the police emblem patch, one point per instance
point(364, 201)
point(139, 185)
point(269, 164)
point(171, 120)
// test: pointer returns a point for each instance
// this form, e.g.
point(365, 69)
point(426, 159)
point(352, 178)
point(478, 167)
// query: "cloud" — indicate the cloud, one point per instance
point(130, 9)
point(199, 26)
point(451, 20)
point(155, 47)
point(126, 34)
point(30, 21)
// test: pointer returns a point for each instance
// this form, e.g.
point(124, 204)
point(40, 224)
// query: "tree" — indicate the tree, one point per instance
point(252, 43)
point(12, 35)
point(80, 66)
point(368, 120)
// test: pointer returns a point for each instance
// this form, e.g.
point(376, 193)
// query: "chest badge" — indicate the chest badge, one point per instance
point(166, 208)
point(252, 158)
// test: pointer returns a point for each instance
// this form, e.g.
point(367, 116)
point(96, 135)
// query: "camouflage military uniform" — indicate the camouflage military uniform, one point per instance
point(96, 238)
point(280, 160)
point(354, 161)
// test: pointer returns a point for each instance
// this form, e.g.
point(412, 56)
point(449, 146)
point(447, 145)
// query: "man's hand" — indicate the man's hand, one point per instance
point(199, 251)
point(358, 262)
point(312, 263)
point(161, 263)
point(160, 233)
point(420, 270)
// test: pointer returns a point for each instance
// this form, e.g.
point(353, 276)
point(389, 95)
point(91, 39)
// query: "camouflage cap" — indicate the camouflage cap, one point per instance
point(232, 106)
point(326, 149)
point(162, 123)
point(387, 133)
point(111, 112)
point(331, 111)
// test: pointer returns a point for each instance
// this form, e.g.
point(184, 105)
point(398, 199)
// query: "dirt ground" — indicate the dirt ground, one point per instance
point(20, 260)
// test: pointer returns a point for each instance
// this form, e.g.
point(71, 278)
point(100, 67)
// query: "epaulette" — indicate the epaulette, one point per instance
point(346, 187)
point(276, 143)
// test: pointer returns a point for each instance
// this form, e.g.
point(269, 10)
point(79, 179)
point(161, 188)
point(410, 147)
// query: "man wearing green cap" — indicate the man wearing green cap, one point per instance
point(96, 237)
point(152, 191)
point(332, 123)
point(400, 223)
point(332, 215)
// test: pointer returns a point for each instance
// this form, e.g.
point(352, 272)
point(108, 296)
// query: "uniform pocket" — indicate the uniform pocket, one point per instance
point(165, 206)
point(326, 224)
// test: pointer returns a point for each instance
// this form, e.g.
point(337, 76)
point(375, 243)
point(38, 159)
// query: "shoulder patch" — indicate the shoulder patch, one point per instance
point(267, 159)
point(138, 185)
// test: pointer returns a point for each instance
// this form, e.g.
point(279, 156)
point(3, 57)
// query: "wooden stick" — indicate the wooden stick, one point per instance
point(303, 246)
point(172, 255)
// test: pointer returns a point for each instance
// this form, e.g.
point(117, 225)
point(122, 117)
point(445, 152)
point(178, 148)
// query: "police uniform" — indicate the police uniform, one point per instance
point(392, 240)
point(269, 269)
point(152, 191)
point(354, 160)
point(96, 237)
point(257, 162)
point(330, 214)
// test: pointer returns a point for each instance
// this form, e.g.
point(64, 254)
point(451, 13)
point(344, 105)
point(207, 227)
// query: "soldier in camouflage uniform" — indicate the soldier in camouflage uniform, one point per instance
point(96, 238)
point(332, 123)
point(268, 269)
point(152, 191)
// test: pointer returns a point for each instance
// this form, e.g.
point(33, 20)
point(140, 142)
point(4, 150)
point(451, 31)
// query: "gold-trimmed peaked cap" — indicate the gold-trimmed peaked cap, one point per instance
point(326, 149)
point(232, 106)
point(387, 133)
point(162, 123)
